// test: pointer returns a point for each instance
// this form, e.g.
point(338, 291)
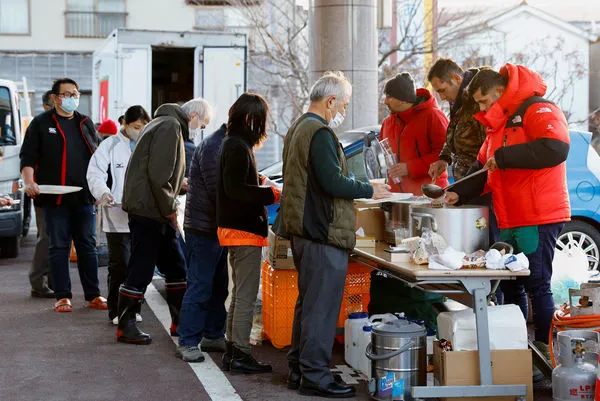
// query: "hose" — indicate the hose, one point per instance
point(563, 320)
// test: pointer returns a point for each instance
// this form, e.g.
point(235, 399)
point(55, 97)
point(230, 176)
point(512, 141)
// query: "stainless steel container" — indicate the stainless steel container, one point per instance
point(397, 215)
point(464, 228)
point(398, 355)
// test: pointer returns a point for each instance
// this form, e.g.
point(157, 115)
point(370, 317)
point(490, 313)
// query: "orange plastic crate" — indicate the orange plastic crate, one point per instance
point(280, 291)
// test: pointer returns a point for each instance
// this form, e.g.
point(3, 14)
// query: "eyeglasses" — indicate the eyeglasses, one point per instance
point(69, 95)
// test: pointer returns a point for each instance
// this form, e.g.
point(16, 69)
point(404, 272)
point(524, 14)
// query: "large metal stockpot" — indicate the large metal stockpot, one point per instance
point(398, 355)
point(465, 228)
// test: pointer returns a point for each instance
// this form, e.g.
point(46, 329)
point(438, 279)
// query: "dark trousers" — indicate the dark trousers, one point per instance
point(537, 284)
point(321, 277)
point(153, 244)
point(77, 223)
point(119, 251)
point(40, 266)
point(203, 312)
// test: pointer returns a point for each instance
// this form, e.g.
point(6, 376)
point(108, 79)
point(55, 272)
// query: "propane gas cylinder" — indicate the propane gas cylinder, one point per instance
point(574, 378)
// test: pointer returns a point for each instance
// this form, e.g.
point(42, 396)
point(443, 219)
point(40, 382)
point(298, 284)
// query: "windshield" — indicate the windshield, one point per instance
point(273, 171)
point(7, 133)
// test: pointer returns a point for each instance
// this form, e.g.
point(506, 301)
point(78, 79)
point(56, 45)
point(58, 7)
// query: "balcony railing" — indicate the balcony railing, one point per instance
point(91, 24)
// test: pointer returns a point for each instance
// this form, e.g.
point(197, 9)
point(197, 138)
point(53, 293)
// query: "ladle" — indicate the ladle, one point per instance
point(434, 191)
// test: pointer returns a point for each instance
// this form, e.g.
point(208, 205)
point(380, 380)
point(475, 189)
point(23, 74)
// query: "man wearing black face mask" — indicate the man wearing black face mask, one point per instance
point(57, 151)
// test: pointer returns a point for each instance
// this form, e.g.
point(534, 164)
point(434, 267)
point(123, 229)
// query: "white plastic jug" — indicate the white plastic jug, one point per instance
point(364, 363)
point(352, 334)
point(507, 328)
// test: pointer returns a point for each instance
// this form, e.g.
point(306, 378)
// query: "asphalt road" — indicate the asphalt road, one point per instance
point(75, 356)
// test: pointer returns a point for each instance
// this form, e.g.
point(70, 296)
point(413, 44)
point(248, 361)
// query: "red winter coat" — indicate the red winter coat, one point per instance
point(419, 133)
point(530, 185)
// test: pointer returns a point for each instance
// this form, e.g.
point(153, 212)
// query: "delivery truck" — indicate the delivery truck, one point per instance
point(150, 68)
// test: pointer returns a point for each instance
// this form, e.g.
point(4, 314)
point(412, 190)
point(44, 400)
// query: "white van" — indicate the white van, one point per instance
point(11, 138)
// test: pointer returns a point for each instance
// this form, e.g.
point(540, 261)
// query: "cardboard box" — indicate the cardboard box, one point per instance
point(279, 254)
point(461, 368)
point(372, 221)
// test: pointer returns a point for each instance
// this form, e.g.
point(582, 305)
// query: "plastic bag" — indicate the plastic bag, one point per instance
point(569, 270)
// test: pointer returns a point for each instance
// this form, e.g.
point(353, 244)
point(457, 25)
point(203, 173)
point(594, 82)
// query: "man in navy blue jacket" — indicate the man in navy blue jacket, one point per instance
point(203, 313)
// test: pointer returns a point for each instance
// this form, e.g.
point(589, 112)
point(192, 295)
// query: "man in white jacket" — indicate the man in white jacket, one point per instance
point(110, 161)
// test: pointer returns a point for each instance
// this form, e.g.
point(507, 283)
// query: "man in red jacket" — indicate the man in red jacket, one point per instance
point(525, 151)
point(416, 131)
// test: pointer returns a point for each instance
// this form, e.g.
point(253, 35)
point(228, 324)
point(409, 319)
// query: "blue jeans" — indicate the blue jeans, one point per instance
point(537, 284)
point(203, 311)
point(77, 223)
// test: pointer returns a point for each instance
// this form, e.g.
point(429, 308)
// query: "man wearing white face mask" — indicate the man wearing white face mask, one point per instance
point(318, 214)
point(56, 151)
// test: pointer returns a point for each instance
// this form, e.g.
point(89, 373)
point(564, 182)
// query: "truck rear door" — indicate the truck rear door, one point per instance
point(135, 77)
point(222, 79)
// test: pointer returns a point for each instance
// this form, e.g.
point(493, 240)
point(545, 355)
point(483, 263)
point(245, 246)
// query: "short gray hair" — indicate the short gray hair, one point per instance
point(200, 106)
point(332, 83)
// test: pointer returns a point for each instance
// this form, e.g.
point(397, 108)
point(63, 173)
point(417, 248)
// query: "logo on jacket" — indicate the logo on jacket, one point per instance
point(517, 120)
point(544, 110)
point(119, 165)
point(52, 130)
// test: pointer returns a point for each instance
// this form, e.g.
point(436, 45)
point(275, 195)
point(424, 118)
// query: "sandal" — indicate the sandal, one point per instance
point(98, 303)
point(63, 305)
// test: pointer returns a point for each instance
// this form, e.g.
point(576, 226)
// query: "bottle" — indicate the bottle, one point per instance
point(364, 363)
point(352, 333)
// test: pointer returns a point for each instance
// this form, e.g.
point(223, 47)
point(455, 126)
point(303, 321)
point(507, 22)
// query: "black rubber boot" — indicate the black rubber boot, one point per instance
point(226, 360)
point(245, 363)
point(130, 300)
point(175, 293)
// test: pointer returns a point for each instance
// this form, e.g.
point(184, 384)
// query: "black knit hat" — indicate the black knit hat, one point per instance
point(402, 87)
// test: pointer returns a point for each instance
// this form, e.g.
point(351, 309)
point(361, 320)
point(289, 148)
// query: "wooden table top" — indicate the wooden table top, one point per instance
point(422, 272)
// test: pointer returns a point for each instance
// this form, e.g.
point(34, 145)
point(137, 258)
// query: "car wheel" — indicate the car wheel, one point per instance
point(10, 247)
point(583, 235)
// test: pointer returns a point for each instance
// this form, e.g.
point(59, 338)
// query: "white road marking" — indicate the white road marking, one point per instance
point(209, 374)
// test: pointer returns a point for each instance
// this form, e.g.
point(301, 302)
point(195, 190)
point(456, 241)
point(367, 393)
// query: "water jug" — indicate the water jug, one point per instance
point(352, 333)
point(398, 359)
point(364, 363)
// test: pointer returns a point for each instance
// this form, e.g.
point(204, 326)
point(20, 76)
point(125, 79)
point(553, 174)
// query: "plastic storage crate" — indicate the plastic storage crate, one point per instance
point(280, 292)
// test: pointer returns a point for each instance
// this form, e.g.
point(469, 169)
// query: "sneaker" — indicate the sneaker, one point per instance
point(189, 353)
point(213, 345)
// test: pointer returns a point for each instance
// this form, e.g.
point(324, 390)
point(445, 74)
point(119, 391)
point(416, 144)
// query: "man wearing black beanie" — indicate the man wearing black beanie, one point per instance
point(416, 131)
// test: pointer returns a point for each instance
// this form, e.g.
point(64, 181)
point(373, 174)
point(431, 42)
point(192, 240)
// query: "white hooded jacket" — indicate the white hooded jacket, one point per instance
point(112, 155)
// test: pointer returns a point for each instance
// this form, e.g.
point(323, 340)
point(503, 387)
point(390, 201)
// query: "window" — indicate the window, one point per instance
point(7, 134)
point(94, 18)
point(14, 17)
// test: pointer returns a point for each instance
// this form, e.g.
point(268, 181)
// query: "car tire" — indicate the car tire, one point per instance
point(578, 232)
point(10, 247)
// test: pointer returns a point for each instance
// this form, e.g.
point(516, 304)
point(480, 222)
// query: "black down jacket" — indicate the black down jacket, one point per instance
point(201, 201)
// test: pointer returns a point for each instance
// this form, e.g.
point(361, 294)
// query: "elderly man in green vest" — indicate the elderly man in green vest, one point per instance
point(318, 214)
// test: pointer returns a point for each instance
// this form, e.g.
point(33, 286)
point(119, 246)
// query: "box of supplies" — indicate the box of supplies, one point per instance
point(461, 368)
point(279, 255)
point(370, 222)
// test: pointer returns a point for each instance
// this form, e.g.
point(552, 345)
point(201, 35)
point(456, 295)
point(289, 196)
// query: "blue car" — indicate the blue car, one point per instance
point(583, 178)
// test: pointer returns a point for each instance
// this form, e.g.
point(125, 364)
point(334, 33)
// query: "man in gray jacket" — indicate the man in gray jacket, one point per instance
point(153, 180)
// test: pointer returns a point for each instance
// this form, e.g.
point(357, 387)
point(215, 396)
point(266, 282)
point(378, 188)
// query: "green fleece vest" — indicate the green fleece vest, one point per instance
point(296, 169)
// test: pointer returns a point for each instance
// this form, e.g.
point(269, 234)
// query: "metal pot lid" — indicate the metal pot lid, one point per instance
point(399, 328)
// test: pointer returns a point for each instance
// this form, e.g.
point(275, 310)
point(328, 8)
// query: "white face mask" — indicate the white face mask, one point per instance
point(337, 120)
point(195, 132)
point(133, 134)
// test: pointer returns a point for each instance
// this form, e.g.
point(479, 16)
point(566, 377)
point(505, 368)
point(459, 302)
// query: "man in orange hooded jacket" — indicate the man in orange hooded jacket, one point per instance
point(525, 150)
point(416, 131)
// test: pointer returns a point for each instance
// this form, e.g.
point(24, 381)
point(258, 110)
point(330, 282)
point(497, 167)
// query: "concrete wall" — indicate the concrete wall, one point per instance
point(47, 26)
